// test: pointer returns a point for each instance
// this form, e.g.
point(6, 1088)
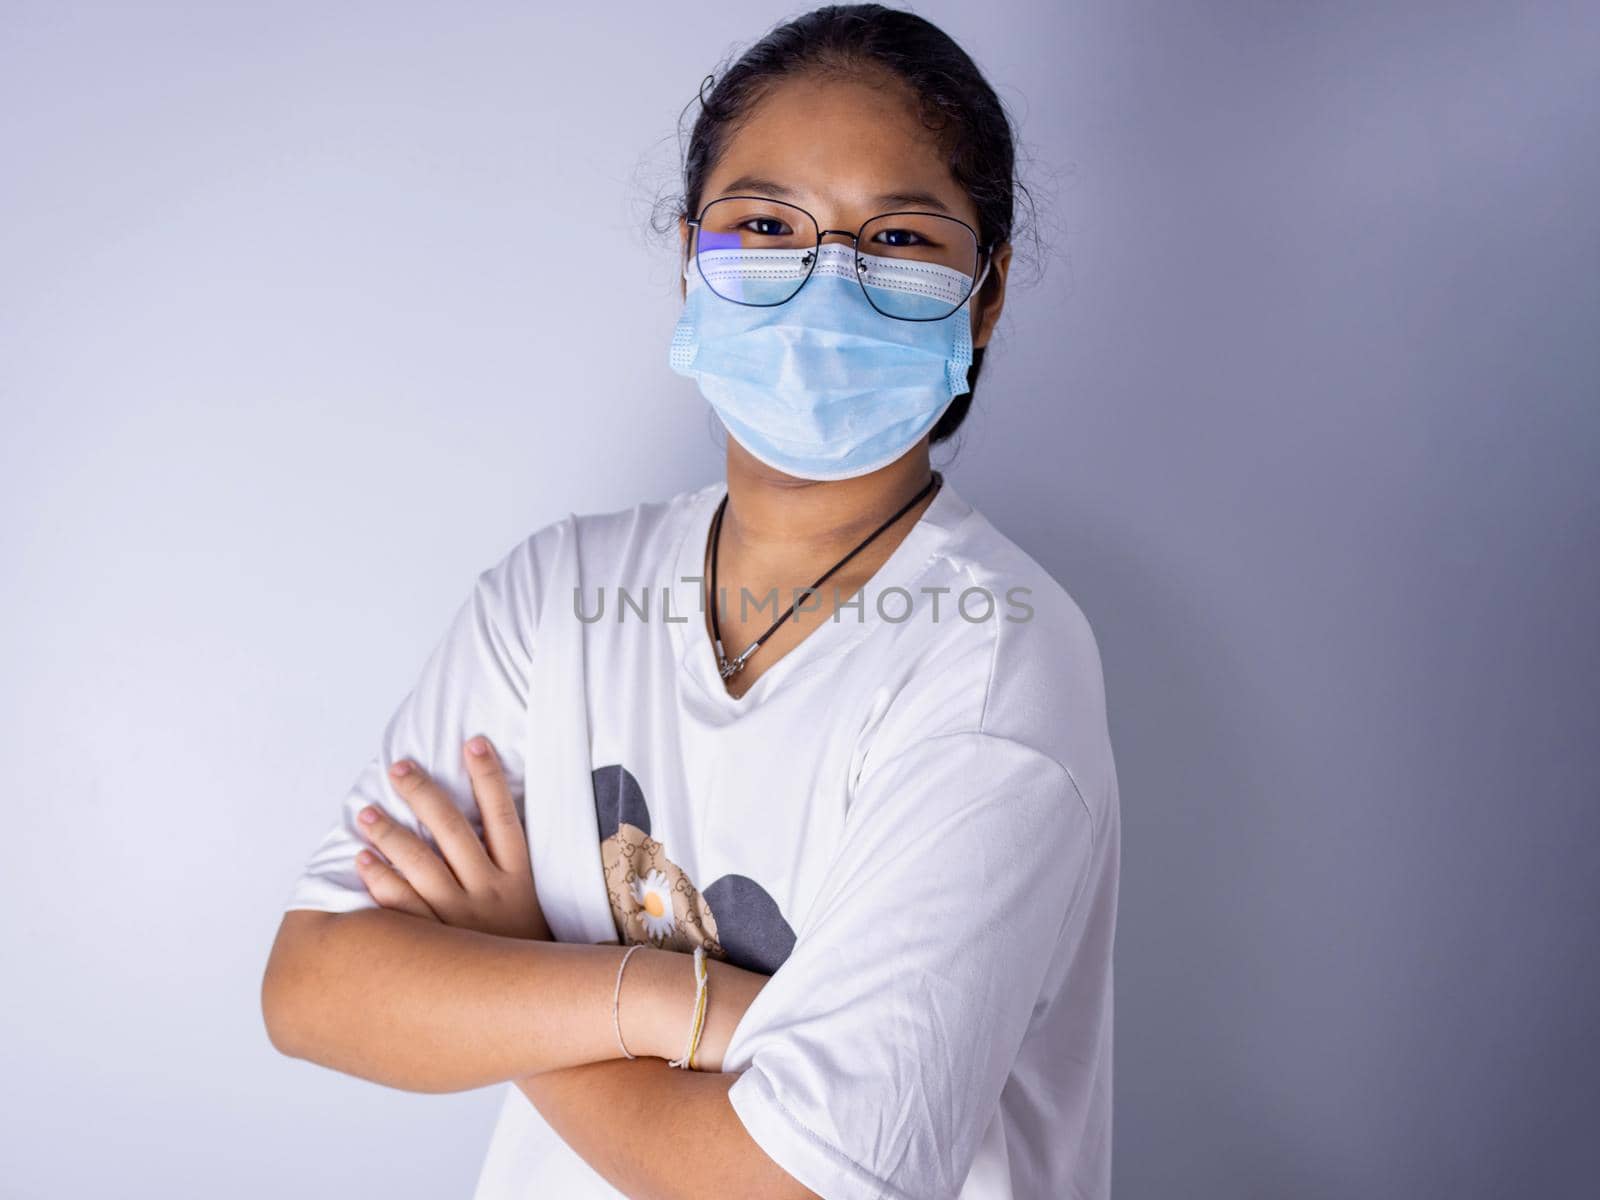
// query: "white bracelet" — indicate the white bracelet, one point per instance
point(617, 997)
point(697, 1014)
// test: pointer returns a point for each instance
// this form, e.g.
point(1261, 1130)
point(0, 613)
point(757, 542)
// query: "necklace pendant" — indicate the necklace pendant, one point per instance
point(729, 667)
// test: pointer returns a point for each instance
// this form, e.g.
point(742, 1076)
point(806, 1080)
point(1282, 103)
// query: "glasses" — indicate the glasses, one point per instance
point(760, 252)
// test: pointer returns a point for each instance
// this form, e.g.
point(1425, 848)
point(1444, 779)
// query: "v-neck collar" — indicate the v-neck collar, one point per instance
point(697, 656)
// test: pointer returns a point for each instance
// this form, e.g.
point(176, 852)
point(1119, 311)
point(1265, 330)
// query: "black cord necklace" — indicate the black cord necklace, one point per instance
point(728, 667)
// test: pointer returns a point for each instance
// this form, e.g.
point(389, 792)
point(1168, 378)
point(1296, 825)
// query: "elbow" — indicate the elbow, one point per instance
point(278, 1013)
point(284, 998)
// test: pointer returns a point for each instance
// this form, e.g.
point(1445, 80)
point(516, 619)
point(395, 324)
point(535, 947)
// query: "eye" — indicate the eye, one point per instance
point(782, 230)
point(900, 237)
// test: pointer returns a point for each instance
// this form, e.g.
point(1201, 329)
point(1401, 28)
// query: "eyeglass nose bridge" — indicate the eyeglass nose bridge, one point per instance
point(855, 242)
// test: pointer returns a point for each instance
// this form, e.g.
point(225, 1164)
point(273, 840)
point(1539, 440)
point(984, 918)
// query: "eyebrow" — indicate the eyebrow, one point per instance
point(755, 183)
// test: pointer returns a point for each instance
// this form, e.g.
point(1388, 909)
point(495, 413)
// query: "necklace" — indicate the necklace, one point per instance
point(726, 667)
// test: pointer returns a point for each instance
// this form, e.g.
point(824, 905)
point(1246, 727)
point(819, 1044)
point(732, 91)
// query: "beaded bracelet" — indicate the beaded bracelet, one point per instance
point(697, 1023)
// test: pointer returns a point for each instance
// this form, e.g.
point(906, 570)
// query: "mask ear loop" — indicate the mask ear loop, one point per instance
point(691, 254)
point(983, 275)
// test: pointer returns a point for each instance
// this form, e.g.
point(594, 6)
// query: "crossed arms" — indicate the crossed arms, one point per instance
point(884, 1043)
point(452, 983)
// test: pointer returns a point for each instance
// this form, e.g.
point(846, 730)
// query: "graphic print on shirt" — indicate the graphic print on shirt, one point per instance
point(654, 901)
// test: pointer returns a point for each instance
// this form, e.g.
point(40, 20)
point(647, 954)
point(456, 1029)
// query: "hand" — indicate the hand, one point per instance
point(473, 887)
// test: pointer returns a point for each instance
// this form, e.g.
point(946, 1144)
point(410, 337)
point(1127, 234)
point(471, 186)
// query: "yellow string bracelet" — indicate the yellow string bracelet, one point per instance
point(699, 1010)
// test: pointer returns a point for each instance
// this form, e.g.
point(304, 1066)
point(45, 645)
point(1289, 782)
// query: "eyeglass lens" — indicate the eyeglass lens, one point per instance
point(912, 266)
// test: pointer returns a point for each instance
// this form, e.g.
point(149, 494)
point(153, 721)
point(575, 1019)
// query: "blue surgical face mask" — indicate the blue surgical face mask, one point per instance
point(823, 386)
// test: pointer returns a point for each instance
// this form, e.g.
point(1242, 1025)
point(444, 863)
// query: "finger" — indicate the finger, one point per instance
point(502, 828)
point(413, 857)
point(459, 844)
point(389, 889)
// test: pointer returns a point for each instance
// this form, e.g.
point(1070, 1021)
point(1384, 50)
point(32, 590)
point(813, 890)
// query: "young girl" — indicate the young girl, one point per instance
point(810, 890)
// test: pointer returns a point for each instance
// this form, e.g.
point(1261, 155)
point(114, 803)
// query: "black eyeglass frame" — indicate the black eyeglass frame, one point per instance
point(984, 254)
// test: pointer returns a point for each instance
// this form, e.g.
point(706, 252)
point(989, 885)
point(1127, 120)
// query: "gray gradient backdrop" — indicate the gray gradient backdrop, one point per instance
point(308, 312)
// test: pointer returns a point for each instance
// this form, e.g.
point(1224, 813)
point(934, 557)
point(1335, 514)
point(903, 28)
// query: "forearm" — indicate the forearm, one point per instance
point(427, 1007)
point(657, 1132)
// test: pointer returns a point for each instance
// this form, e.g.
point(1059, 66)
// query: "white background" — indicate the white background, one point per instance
point(309, 312)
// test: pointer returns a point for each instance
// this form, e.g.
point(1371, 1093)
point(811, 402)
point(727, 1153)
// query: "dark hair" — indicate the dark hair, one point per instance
point(862, 40)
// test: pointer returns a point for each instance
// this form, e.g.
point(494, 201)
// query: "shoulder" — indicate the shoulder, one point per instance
point(607, 540)
point(625, 546)
point(621, 525)
point(1047, 682)
point(637, 543)
point(1046, 688)
point(1011, 655)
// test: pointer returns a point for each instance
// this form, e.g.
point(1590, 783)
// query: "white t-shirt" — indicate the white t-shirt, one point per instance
point(910, 821)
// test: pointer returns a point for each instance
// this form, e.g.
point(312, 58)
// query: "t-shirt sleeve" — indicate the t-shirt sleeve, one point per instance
point(475, 681)
point(874, 1059)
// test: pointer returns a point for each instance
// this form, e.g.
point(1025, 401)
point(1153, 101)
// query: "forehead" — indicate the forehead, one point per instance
point(836, 146)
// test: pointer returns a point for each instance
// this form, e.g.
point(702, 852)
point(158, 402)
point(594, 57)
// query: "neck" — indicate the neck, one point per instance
point(781, 525)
